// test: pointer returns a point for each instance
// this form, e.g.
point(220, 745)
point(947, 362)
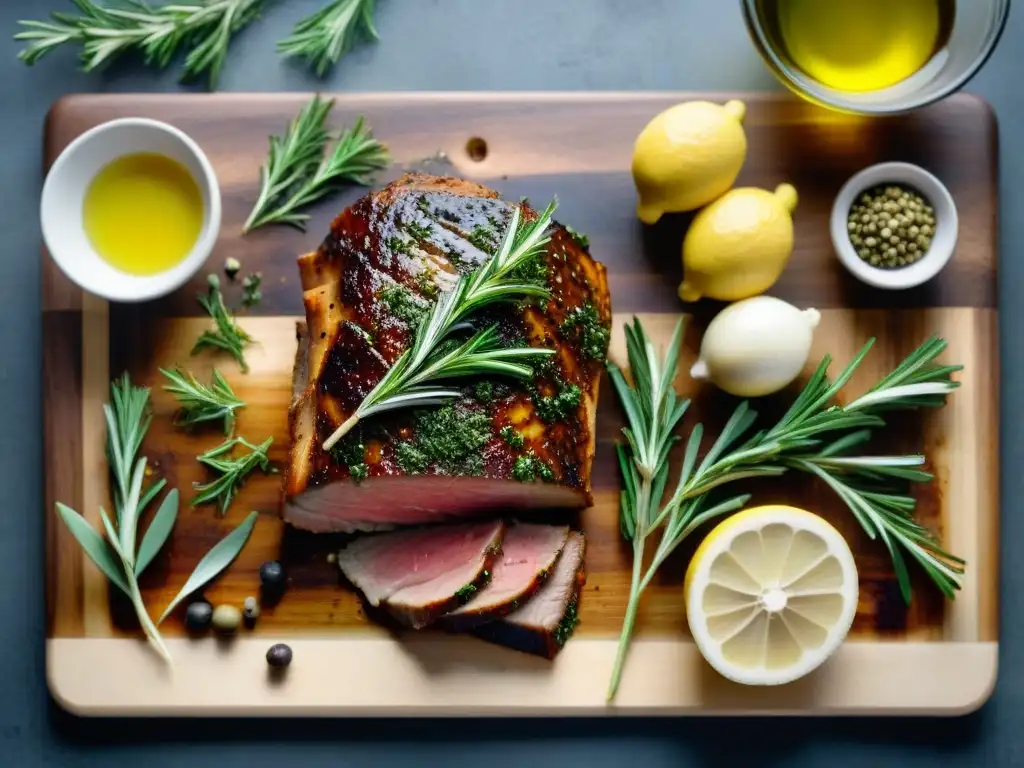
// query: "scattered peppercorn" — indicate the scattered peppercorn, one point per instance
point(279, 655)
point(891, 226)
point(251, 294)
point(198, 615)
point(272, 576)
point(251, 610)
point(226, 618)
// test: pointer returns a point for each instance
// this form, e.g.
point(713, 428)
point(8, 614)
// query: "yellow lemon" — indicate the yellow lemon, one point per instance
point(770, 594)
point(738, 246)
point(687, 156)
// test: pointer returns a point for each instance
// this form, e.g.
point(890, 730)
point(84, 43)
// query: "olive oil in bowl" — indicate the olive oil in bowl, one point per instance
point(857, 46)
point(143, 213)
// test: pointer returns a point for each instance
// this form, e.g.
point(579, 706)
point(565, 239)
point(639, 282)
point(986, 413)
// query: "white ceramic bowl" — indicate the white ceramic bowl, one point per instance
point(64, 193)
point(943, 242)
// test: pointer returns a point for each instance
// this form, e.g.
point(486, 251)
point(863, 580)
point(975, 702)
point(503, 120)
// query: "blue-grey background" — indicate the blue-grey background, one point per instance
point(458, 45)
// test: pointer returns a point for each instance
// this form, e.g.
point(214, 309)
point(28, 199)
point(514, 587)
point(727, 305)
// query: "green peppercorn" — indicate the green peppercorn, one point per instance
point(891, 226)
point(226, 618)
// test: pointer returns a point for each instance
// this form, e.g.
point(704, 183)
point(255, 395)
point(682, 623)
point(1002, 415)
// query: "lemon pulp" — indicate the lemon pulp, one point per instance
point(770, 593)
point(860, 45)
point(143, 213)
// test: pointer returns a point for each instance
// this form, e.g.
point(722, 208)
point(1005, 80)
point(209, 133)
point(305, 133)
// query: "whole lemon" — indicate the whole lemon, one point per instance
point(687, 156)
point(738, 246)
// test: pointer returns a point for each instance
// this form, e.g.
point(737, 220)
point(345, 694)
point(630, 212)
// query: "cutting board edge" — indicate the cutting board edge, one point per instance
point(396, 679)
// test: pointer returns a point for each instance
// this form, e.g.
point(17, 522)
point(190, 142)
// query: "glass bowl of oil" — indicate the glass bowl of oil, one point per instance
point(131, 209)
point(875, 56)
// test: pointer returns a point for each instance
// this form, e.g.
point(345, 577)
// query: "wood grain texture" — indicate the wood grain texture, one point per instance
point(578, 147)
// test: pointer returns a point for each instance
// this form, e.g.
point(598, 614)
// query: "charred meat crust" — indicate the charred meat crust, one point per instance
point(386, 258)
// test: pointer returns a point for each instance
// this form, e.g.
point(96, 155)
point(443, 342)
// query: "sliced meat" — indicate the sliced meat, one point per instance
point(420, 574)
point(544, 623)
point(528, 552)
point(504, 444)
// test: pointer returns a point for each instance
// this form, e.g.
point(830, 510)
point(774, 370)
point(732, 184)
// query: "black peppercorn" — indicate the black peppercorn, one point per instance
point(272, 576)
point(198, 615)
point(279, 656)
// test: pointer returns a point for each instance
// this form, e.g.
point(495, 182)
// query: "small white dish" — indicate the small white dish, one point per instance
point(943, 242)
point(64, 193)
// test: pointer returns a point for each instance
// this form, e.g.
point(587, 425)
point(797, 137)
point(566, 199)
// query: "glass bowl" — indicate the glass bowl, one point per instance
point(976, 29)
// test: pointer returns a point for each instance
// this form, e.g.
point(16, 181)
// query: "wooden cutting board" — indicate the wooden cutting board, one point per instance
point(936, 657)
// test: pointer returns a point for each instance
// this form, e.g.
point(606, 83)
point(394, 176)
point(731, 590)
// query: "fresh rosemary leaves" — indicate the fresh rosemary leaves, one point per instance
point(232, 471)
point(200, 403)
point(329, 34)
point(226, 334)
point(411, 381)
point(104, 32)
point(814, 436)
point(298, 172)
point(121, 557)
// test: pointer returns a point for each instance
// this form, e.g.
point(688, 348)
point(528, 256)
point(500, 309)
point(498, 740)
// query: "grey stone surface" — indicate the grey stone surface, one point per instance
point(459, 45)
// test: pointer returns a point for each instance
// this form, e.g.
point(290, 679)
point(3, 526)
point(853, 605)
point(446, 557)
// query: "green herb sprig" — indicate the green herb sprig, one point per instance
point(120, 555)
point(232, 471)
point(329, 34)
point(226, 334)
point(203, 27)
point(201, 403)
point(297, 172)
point(814, 436)
point(411, 381)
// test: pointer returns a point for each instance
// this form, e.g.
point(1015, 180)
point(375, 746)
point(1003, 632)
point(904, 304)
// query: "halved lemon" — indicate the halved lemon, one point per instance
point(770, 594)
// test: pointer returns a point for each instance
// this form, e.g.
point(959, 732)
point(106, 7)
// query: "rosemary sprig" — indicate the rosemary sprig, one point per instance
point(293, 156)
point(204, 27)
point(803, 439)
point(410, 382)
point(356, 155)
point(226, 334)
point(330, 33)
point(232, 471)
point(120, 556)
point(201, 403)
point(298, 173)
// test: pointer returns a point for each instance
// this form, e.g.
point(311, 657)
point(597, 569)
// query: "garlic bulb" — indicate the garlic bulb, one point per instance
point(756, 346)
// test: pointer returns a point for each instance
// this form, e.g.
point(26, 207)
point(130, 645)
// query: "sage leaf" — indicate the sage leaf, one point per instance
point(94, 546)
point(215, 561)
point(158, 531)
point(151, 493)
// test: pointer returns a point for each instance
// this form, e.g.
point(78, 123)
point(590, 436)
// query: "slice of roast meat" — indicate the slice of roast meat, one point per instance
point(422, 573)
point(528, 552)
point(505, 444)
point(542, 625)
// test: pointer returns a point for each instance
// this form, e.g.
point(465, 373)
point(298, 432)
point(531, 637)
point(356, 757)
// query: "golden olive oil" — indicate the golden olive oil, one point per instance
point(859, 45)
point(143, 213)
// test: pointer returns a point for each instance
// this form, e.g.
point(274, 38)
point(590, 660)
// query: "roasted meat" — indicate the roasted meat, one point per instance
point(528, 552)
point(504, 444)
point(420, 574)
point(545, 621)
